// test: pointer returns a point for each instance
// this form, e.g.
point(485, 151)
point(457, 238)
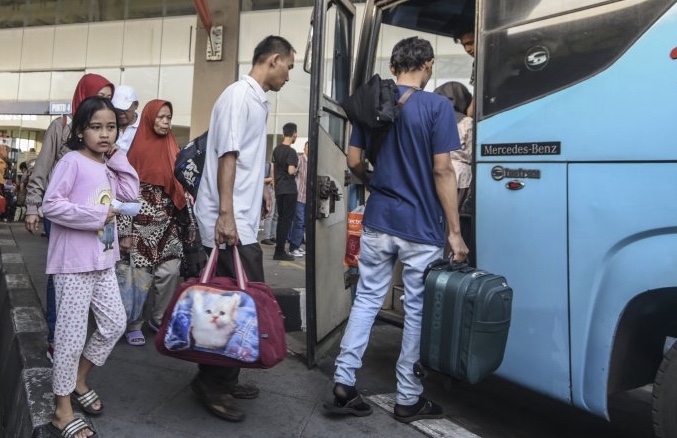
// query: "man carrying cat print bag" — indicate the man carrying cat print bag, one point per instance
point(229, 202)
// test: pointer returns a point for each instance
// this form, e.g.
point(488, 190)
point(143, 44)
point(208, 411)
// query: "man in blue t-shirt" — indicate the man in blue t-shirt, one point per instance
point(413, 198)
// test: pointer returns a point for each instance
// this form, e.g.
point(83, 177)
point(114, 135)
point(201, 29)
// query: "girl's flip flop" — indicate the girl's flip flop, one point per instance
point(70, 430)
point(86, 401)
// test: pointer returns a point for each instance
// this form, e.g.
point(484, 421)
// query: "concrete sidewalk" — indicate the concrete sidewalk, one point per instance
point(148, 395)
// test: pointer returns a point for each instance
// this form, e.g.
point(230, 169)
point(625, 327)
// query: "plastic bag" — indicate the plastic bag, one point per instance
point(134, 284)
point(353, 237)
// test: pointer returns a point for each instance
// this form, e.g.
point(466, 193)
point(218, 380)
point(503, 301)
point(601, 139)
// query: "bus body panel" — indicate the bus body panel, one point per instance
point(623, 242)
point(538, 342)
point(624, 113)
point(621, 231)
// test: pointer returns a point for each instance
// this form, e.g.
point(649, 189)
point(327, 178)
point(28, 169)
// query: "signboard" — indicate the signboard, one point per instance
point(59, 107)
point(215, 44)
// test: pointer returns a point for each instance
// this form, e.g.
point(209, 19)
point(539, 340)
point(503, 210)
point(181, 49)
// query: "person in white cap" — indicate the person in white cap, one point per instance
point(126, 104)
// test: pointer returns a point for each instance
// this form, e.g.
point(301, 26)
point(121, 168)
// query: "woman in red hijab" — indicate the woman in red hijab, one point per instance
point(53, 148)
point(155, 244)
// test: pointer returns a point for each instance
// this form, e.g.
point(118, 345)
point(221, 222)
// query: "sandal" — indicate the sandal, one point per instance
point(220, 404)
point(356, 406)
point(424, 409)
point(70, 430)
point(86, 400)
point(135, 338)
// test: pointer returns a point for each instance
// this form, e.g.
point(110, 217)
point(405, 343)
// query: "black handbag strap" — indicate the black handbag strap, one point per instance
point(379, 138)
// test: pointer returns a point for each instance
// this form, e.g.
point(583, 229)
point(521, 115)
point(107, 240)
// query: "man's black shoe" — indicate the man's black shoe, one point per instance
point(220, 404)
point(284, 256)
point(244, 391)
point(347, 401)
point(424, 409)
point(267, 242)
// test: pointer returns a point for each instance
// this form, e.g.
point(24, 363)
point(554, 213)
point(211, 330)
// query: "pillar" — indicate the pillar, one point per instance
point(210, 78)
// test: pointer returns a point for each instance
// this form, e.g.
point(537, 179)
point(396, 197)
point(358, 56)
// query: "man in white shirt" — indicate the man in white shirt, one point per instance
point(230, 200)
point(126, 103)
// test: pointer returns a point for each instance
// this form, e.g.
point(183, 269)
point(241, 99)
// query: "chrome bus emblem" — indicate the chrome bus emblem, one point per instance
point(537, 58)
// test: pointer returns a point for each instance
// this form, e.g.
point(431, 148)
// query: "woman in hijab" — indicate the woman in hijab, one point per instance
point(461, 158)
point(155, 245)
point(53, 148)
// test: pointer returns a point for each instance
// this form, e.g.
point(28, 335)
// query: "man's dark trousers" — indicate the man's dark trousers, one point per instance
point(286, 206)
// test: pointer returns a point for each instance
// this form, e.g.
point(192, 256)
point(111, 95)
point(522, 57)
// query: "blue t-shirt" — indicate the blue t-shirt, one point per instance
point(403, 200)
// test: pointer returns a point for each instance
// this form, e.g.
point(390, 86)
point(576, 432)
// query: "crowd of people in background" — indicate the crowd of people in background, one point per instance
point(105, 150)
point(13, 189)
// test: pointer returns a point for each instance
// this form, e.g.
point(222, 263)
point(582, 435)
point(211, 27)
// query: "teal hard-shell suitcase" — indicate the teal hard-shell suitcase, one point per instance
point(466, 317)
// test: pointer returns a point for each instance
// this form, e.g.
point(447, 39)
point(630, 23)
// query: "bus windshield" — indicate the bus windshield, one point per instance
point(502, 13)
point(532, 58)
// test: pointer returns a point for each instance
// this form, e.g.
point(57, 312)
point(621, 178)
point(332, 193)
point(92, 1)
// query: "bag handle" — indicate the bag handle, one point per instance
point(210, 268)
point(240, 275)
point(447, 264)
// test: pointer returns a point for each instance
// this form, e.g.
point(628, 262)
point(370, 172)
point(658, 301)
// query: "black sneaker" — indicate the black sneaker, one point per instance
point(284, 256)
point(267, 242)
point(423, 410)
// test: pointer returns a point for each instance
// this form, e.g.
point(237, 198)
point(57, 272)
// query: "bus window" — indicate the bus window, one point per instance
point(337, 64)
point(528, 57)
point(509, 13)
point(451, 62)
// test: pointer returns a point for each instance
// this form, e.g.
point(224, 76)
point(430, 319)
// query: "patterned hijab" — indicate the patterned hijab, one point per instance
point(153, 156)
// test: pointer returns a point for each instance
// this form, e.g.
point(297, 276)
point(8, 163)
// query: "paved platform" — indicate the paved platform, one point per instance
point(148, 395)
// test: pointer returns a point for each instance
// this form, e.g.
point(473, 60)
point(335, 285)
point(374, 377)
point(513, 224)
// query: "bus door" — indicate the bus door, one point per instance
point(328, 59)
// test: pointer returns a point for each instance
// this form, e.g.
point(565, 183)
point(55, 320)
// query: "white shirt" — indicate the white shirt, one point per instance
point(125, 138)
point(238, 124)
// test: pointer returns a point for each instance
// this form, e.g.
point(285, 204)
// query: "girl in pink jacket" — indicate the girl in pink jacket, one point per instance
point(83, 249)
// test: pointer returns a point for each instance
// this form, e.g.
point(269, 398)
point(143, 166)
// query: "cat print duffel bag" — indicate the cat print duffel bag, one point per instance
point(223, 321)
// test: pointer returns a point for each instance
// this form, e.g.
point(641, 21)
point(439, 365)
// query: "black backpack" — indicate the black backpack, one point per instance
point(374, 106)
point(190, 162)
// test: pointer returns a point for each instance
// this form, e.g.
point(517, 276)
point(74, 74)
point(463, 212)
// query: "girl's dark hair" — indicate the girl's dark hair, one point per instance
point(410, 54)
point(83, 115)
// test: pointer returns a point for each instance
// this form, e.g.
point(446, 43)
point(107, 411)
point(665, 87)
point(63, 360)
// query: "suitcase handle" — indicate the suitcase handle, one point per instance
point(446, 265)
point(210, 268)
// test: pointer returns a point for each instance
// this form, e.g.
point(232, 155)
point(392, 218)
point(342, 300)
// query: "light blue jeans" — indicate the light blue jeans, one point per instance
point(378, 254)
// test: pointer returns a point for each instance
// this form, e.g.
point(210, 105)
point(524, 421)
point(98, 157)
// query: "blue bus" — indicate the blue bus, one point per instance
point(575, 174)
